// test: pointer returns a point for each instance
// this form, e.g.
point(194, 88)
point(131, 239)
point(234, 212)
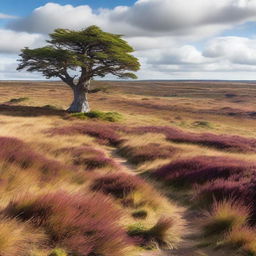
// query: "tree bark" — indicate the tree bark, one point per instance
point(80, 102)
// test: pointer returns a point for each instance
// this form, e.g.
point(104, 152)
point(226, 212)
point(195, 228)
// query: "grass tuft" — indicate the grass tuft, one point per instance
point(96, 114)
point(158, 235)
point(117, 185)
point(58, 252)
point(224, 217)
point(18, 238)
point(75, 222)
point(18, 100)
point(150, 152)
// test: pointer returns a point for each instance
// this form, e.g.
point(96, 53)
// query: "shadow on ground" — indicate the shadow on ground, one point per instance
point(29, 111)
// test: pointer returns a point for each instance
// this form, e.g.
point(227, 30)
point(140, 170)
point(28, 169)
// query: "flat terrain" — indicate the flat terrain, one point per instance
point(176, 171)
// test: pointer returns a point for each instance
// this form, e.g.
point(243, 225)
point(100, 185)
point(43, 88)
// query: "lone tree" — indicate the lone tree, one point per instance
point(76, 57)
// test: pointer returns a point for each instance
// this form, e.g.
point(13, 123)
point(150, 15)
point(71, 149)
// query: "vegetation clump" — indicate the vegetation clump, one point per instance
point(105, 134)
point(157, 235)
point(58, 252)
point(201, 169)
point(144, 153)
point(18, 100)
point(15, 151)
point(75, 222)
point(117, 185)
point(100, 115)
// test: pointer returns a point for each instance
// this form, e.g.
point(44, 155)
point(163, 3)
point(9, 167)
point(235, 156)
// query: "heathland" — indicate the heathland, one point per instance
point(156, 167)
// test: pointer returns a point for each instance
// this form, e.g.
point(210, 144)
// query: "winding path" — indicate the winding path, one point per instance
point(189, 245)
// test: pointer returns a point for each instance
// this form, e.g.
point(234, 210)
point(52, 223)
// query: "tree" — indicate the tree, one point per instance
point(76, 57)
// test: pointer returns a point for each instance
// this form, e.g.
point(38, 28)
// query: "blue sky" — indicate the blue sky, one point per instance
point(18, 7)
point(173, 39)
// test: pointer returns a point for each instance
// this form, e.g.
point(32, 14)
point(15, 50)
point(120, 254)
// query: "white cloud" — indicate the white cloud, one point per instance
point(238, 50)
point(163, 33)
point(12, 41)
point(8, 65)
point(180, 18)
point(51, 16)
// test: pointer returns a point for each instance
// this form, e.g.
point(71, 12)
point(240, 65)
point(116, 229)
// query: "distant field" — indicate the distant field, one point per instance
point(175, 171)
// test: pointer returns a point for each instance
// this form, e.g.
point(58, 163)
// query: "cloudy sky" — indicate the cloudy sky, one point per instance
point(174, 39)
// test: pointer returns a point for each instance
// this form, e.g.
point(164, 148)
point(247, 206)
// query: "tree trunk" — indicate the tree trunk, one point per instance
point(80, 102)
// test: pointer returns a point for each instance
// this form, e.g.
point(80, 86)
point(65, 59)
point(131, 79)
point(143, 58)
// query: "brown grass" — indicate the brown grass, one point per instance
point(45, 141)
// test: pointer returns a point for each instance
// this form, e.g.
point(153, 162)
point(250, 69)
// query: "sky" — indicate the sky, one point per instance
point(173, 39)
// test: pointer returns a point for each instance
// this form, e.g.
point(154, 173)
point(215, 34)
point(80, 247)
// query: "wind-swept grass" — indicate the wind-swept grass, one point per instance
point(76, 222)
point(103, 133)
point(100, 115)
point(18, 238)
point(158, 234)
point(225, 216)
point(202, 169)
point(150, 152)
point(15, 151)
point(88, 157)
point(117, 185)
point(221, 142)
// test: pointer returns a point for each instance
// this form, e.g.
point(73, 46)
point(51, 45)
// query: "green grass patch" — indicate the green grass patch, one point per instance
point(202, 124)
point(58, 252)
point(18, 100)
point(96, 114)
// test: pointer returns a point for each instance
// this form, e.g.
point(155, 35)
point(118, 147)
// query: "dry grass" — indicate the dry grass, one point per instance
point(186, 132)
point(18, 238)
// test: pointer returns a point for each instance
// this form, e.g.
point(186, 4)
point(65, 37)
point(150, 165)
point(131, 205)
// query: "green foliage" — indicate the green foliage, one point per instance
point(98, 53)
point(96, 114)
point(58, 252)
point(202, 124)
point(158, 234)
point(136, 229)
point(18, 100)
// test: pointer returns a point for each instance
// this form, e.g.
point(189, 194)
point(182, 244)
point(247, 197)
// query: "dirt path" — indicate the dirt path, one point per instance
point(189, 245)
point(124, 164)
point(191, 240)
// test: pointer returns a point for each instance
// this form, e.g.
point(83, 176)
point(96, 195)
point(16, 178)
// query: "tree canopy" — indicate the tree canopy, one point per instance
point(81, 55)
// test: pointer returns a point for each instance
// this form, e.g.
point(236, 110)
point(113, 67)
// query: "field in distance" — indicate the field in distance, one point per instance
point(172, 162)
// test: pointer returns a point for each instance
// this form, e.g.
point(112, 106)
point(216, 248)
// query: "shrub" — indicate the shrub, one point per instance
point(117, 185)
point(202, 169)
point(219, 190)
point(244, 238)
point(144, 153)
point(95, 162)
point(89, 157)
point(104, 133)
point(96, 114)
point(18, 100)
point(222, 142)
point(58, 252)
point(202, 124)
point(15, 151)
point(159, 234)
point(75, 222)
point(224, 217)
